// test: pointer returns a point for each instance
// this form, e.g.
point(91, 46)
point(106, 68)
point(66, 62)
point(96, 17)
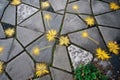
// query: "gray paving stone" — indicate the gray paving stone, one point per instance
point(2, 35)
point(110, 34)
point(3, 77)
point(21, 68)
point(34, 23)
point(26, 36)
point(111, 0)
point(72, 23)
point(50, 9)
point(100, 7)
point(7, 26)
point(60, 11)
point(46, 54)
point(83, 16)
point(46, 77)
point(71, 0)
point(79, 56)
point(60, 75)
point(115, 62)
point(84, 7)
point(24, 11)
point(9, 15)
point(58, 4)
point(106, 66)
point(16, 48)
point(61, 59)
point(35, 3)
point(104, 63)
point(87, 43)
point(55, 21)
point(6, 44)
point(109, 19)
point(3, 4)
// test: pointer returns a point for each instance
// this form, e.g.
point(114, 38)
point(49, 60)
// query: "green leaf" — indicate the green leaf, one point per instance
point(94, 76)
point(103, 77)
point(80, 65)
point(90, 73)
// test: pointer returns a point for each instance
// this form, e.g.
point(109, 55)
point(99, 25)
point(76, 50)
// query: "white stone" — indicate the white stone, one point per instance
point(24, 11)
point(79, 56)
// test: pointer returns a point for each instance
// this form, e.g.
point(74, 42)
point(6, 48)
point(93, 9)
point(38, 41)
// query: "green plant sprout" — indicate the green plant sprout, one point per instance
point(88, 72)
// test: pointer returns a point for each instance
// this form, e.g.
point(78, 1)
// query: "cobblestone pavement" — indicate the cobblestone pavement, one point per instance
point(26, 52)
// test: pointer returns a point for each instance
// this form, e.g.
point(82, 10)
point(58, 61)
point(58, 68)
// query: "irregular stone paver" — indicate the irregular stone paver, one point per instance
point(84, 7)
point(58, 75)
point(3, 77)
point(105, 66)
point(28, 35)
point(85, 42)
point(32, 2)
point(71, 0)
point(110, 34)
point(2, 35)
point(54, 22)
point(58, 5)
point(6, 44)
point(61, 59)
point(7, 18)
point(111, 0)
point(44, 55)
point(116, 65)
point(22, 65)
point(34, 23)
point(3, 4)
point(109, 19)
point(6, 26)
point(24, 11)
point(47, 77)
point(72, 23)
point(79, 56)
point(16, 48)
point(104, 7)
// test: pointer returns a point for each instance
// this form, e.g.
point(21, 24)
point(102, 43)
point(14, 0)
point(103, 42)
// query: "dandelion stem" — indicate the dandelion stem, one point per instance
point(46, 47)
point(93, 40)
point(48, 23)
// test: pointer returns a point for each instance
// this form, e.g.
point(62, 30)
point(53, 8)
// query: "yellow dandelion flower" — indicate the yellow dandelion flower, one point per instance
point(1, 67)
point(64, 41)
point(41, 69)
point(86, 35)
point(113, 47)
point(45, 5)
point(1, 49)
point(90, 21)
point(101, 54)
point(75, 7)
point(10, 32)
point(36, 50)
point(15, 2)
point(51, 35)
point(47, 16)
point(114, 6)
